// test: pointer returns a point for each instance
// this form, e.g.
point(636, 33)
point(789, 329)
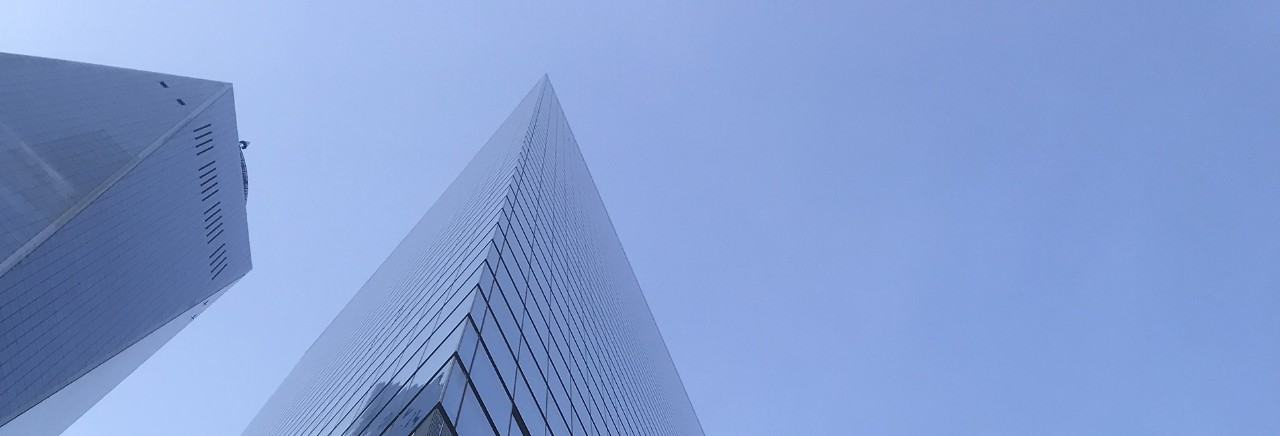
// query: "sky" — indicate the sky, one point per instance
point(854, 217)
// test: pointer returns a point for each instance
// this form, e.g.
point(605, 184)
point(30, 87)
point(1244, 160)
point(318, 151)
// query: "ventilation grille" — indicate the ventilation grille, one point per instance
point(208, 178)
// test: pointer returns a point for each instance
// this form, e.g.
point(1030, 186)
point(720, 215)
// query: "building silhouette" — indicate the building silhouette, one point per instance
point(122, 216)
point(509, 309)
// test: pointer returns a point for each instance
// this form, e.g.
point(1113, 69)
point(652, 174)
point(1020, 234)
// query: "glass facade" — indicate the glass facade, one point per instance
point(509, 309)
point(122, 214)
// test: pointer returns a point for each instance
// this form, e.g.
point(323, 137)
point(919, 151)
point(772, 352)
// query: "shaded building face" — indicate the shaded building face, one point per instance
point(122, 215)
point(509, 309)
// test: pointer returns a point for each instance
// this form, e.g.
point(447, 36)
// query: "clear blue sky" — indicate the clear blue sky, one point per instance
point(880, 217)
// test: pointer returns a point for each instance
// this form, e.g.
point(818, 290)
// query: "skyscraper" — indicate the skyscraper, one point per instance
point(122, 215)
point(509, 309)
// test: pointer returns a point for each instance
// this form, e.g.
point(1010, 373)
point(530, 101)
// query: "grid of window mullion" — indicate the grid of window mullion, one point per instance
point(561, 343)
point(348, 374)
point(463, 356)
point(553, 344)
point(543, 338)
point(502, 287)
point(410, 361)
point(504, 401)
point(596, 276)
point(601, 349)
point(575, 324)
point(627, 387)
point(490, 301)
point(580, 378)
point(474, 392)
point(596, 366)
point(620, 389)
point(526, 389)
point(534, 376)
point(527, 284)
point(31, 304)
point(595, 405)
point(593, 399)
point(454, 229)
point(356, 380)
point(600, 414)
point(510, 381)
point(590, 365)
point(516, 180)
point(368, 346)
point(517, 315)
point(578, 402)
point(614, 382)
point(137, 311)
point(455, 330)
point(617, 382)
point(596, 285)
point(548, 226)
point(433, 316)
point(530, 368)
point(526, 287)
point(30, 321)
point(556, 322)
point(527, 360)
point(88, 342)
point(560, 297)
point(536, 335)
point(626, 373)
point(558, 366)
point(539, 144)
point(456, 224)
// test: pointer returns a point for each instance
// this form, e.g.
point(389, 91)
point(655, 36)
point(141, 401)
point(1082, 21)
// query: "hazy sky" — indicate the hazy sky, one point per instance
point(880, 218)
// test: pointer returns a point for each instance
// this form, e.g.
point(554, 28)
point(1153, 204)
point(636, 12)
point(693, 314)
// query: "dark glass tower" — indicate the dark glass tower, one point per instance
point(509, 309)
point(122, 215)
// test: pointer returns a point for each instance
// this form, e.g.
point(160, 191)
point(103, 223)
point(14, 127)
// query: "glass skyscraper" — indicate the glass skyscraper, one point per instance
point(122, 216)
point(509, 309)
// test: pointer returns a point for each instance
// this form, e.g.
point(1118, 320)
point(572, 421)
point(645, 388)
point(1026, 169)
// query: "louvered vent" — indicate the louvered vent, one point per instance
point(208, 177)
